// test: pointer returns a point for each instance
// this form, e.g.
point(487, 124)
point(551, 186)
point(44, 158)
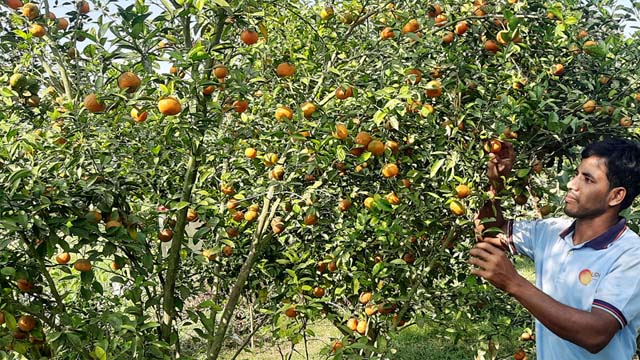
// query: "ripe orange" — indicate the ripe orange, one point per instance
point(232, 232)
point(392, 146)
point(63, 258)
point(291, 312)
point(27, 323)
point(285, 69)
point(333, 266)
point(232, 204)
point(369, 202)
point(409, 258)
point(352, 324)
point(411, 26)
point(363, 138)
point(376, 147)
point(337, 345)
point(30, 10)
point(433, 89)
point(365, 297)
point(387, 33)
point(344, 204)
point(308, 108)
point(82, 265)
point(192, 215)
point(341, 132)
point(251, 153)
point(237, 215)
point(165, 235)
point(519, 355)
point(434, 10)
point(249, 37)
point(93, 105)
point(491, 46)
point(589, 106)
point(326, 13)
point(582, 34)
point(557, 69)
point(277, 173)
point(114, 266)
point(138, 115)
point(479, 11)
point(625, 121)
point(14, 4)
point(362, 327)
point(284, 112)
point(251, 215)
point(457, 208)
point(220, 71)
point(169, 106)
point(318, 292)
point(448, 37)
point(240, 106)
point(227, 250)
point(392, 198)
point(311, 219)
point(390, 170)
point(462, 191)
point(25, 285)
point(461, 27)
point(208, 90)
point(441, 20)
point(270, 159)
point(63, 23)
point(129, 81)
point(414, 76)
point(37, 30)
point(83, 7)
point(371, 310)
point(493, 146)
point(344, 93)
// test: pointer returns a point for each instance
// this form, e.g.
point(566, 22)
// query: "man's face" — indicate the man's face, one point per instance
point(588, 191)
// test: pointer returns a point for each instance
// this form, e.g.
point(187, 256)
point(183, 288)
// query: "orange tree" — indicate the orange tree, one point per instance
point(327, 157)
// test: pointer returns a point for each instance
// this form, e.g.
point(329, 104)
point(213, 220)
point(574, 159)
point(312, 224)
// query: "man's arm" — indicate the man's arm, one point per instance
point(568, 323)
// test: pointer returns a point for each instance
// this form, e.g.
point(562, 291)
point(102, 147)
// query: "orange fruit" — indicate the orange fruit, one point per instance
point(369, 202)
point(208, 90)
point(251, 215)
point(318, 292)
point(582, 34)
point(284, 112)
point(192, 215)
point(392, 146)
point(114, 266)
point(448, 37)
point(491, 46)
point(457, 208)
point(129, 81)
point(362, 327)
point(414, 76)
point(409, 258)
point(434, 10)
point(363, 138)
point(83, 7)
point(337, 345)
point(291, 312)
point(371, 310)
point(240, 106)
point(270, 159)
point(376, 147)
point(333, 266)
point(390, 170)
point(462, 191)
point(82, 265)
point(27, 323)
point(433, 89)
point(237, 215)
point(165, 235)
point(63, 258)
point(37, 30)
point(387, 33)
point(227, 250)
point(493, 146)
point(392, 198)
point(311, 219)
point(365, 297)
point(277, 173)
point(285, 69)
point(14, 4)
point(232, 232)
point(138, 115)
point(341, 132)
point(249, 37)
point(112, 224)
point(519, 355)
point(251, 153)
point(412, 26)
point(625, 121)
point(461, 27)
point(557, 69)
point(30, 10)
point(441, 20)
point(352, 324)
point(344, 204)
point(63, 24)
point(326, 13)
point(220, 71)
point(93, 105)
point(25, 285)
point(344, 93)
point(479, 11)
point(308, 108)
point(169, 106)
point(589, 106)
point(277, 226)
point(232, 204)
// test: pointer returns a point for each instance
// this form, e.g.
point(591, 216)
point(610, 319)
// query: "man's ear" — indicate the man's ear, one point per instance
point(617, 195)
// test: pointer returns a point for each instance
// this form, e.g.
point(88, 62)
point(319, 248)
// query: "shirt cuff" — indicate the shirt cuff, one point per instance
point(510, 244)
point(617, 314)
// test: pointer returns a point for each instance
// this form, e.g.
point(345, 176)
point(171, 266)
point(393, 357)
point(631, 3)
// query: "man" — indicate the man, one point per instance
point(587, 295)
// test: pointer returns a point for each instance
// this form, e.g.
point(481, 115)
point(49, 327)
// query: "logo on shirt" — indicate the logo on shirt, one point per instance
point(585, 276)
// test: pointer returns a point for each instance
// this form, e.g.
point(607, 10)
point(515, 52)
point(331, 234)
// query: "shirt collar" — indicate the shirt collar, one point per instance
point(603, 240)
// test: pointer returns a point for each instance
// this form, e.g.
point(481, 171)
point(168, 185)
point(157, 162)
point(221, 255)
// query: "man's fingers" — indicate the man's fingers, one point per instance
point(489, 248)
point(496, 241)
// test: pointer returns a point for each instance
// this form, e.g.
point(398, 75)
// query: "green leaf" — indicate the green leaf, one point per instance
point(8, 271)
point(222, 3)
point(99, 353)
point(435, 167)
point(181, 205)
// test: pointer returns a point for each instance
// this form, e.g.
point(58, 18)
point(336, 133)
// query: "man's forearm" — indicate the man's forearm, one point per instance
point(566, 322)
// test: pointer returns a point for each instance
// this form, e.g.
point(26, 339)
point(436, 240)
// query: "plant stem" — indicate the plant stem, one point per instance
point(45, 272)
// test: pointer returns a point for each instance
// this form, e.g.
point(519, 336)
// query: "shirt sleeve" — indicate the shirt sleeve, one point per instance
point(619, 290)
point(528, 237)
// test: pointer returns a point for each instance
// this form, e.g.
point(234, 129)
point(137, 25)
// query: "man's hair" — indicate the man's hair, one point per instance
point(622, 159)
